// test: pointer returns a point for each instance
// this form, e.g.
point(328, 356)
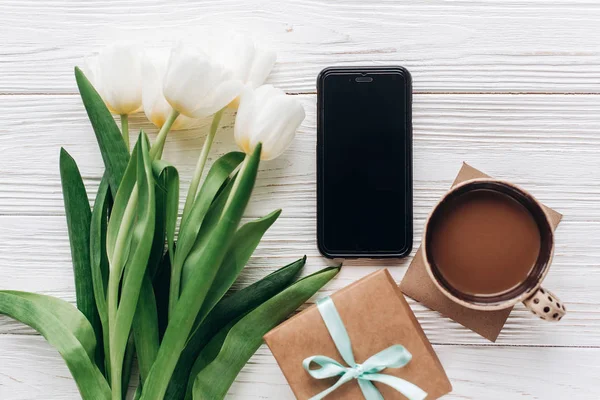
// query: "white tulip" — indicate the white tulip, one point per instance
point(267, 115)
point(156, 107)
point(90, 69)
point(196, 86)
point(116, 74)
point(249, 62)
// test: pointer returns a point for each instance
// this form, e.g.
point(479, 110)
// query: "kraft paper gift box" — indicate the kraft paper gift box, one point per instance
point(376, 316)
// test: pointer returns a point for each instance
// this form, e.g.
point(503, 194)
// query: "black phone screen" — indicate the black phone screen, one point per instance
point(364, 162)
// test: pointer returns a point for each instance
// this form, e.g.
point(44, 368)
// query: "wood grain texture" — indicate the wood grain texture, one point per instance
point(465, 46)
point(35, 371)
point(38, 246)
point(548, 144)
point(510, 86)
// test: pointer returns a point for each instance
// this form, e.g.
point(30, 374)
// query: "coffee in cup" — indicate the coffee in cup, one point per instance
point(488, 245)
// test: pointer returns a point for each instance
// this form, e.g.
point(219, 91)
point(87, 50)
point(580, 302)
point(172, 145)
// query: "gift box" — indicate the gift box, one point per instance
point(368, 324)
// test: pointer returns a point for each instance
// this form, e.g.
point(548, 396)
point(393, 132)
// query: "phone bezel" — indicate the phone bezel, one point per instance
point(403, 252)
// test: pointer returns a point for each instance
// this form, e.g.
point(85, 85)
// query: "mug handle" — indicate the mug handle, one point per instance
point(545, 305)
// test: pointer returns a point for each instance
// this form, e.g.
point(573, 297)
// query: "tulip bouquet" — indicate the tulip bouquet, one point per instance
point(141, 288)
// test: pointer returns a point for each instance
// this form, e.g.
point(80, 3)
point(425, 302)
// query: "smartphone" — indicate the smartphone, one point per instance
point(364, 162)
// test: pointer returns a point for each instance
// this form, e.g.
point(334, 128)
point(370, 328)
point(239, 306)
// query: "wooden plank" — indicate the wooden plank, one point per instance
point(497, 46)
point(35, 256)
point(30, 369)
point(547, 144)
point(490, 373)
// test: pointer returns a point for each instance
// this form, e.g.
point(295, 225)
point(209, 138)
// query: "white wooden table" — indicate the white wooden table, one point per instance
point(510, 86)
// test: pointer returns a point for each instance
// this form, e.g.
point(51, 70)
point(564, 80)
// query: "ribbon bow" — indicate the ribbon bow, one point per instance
point(395, 356)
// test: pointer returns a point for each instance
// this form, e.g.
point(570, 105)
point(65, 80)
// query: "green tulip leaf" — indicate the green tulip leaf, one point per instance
point(161, 283)
point(138, 393)
point(245, 337)
point(167, 178)
point(160, 228)
point(99, 260)
point(208, 354)
point(245, 241)
point(98, 256)
point(120, 223)
point(67, 330)
point(141, 232)
point(78, 212)
point(127, 365)
point(112, 146)
point(145, 328)
point(192, 297)
point(230, 308)
point(190, 226)
point(210, 221)
point(146, 322)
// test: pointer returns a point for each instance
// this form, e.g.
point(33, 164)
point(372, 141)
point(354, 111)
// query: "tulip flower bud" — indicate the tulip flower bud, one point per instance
point(267, 115)
point(196, 86)
point(156, 107)
point(116, 75)
point(249, 62)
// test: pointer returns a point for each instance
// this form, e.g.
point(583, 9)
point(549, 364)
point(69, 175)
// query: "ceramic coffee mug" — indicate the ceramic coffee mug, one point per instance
point(537, 299)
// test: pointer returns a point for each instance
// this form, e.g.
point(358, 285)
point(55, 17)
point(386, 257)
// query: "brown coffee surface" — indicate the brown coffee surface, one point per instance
point(484, 243)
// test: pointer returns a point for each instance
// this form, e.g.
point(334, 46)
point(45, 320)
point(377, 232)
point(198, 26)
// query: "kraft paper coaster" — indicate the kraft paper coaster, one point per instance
point(418, 285)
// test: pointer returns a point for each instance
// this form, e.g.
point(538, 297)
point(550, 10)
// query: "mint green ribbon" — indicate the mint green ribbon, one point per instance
point(395, 356)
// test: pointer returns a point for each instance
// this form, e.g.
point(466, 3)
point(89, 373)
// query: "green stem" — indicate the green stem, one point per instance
point(189, 202)
point(116, 362)
point(117, 344)
point(236, 183)
point(116, 372)
point(191, 196)
point(157, 150)
point(125, 129)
